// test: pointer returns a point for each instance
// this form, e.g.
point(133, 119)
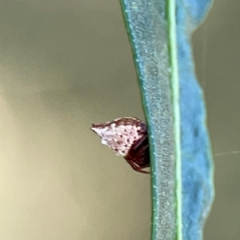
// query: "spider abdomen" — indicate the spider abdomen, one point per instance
point(127, 137)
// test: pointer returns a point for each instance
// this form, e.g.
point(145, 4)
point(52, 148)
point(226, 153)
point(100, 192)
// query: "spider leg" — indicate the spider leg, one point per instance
point(140, 142)
point(137, 167)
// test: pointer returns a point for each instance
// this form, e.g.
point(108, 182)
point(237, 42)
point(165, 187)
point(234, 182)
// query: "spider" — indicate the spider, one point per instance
point(128, 138)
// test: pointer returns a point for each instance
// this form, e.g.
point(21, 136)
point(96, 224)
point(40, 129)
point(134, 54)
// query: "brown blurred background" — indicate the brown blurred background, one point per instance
point(66, 64)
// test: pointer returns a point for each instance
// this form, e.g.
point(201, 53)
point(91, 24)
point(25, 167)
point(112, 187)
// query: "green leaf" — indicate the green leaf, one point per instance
point(181, 164)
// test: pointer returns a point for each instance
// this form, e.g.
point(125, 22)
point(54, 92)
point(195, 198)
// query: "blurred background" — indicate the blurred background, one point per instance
point(65, 65)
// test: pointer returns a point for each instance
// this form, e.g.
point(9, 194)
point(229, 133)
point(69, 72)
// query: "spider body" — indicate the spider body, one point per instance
point(127, 137)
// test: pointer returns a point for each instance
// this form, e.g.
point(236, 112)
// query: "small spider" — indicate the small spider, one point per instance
point(128, 138)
